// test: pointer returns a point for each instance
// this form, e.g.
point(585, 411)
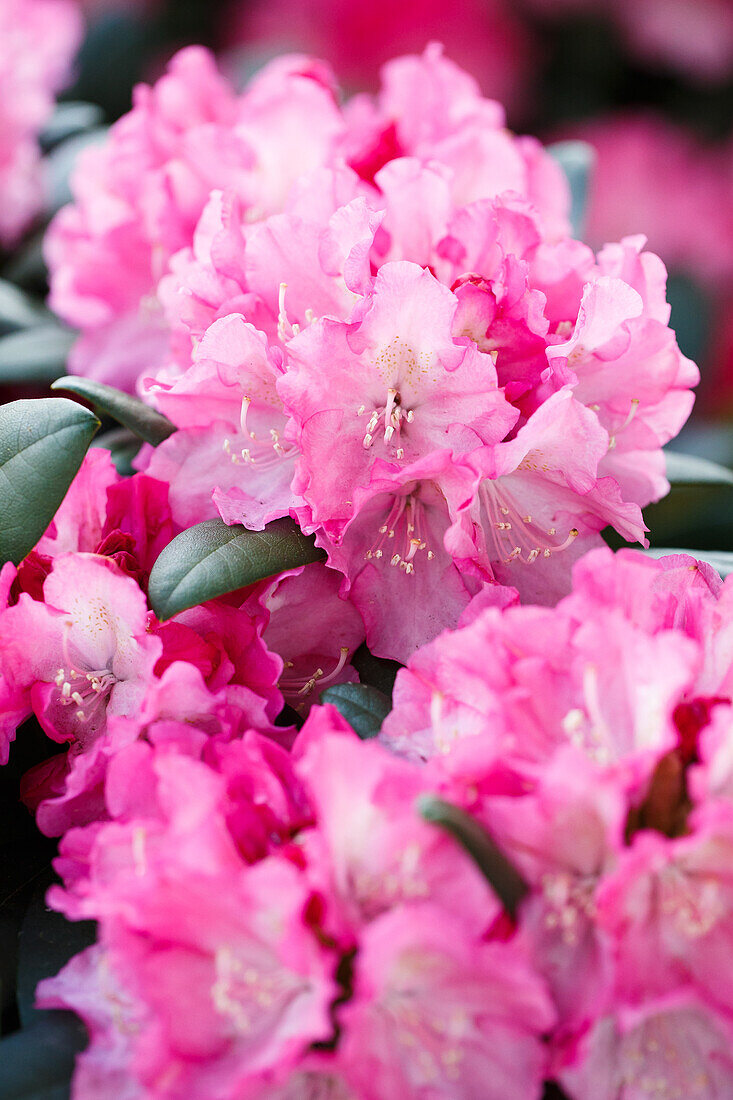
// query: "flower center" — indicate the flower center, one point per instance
point(515, 537)
point(570, 902)
point(251, 991)
point(87, 691)
point(393, 415)
point(405, 528)
point(262, 453)
point(294, 685)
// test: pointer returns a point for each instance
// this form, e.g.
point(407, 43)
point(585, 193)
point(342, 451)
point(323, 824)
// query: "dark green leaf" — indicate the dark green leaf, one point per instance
point(693, 470)
point(42, 445)
point(40, 1057)
point(377, 671)
point(47, 942)
point(576, 158)
point(363, 707)
point(27, 265)
point(721, 560)
point(18, 310)
point(211, 559)
point(123, 446)
point(502, 876)
point(691, 315)
point(35, 354)
point(122, 407)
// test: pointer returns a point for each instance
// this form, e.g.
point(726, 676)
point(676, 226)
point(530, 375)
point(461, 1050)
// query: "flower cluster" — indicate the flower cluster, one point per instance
point(394, 280)
point(39, 38)
point(277, 924)
point(371, 318)
point(80, 649)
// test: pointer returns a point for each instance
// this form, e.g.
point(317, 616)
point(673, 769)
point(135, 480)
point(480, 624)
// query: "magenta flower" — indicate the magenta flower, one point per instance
point(438, 1014)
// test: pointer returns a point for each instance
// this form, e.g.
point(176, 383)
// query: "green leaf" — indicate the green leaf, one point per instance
point(577, 159)
point(126, 410)
point(363, 707)
point(42, 445)
point(40, 1057)
point(18, 310)
point(377, 671)
point(27, 265)
point(123, 446)
point(721, 560)
point(35, 354)
point(211, 559)
point(47, 941)
point(499, 872)
point(693, 470)
point(68, 119)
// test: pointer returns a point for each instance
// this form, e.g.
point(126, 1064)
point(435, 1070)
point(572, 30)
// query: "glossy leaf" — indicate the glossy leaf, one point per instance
point(42, 445)
point(123, 447)
point(364, 707)
point(211, 559)
point(35, 354)
point(377, 671)
point(129, 411)
point(693, 470)
point(721, 560)
point(499, 872)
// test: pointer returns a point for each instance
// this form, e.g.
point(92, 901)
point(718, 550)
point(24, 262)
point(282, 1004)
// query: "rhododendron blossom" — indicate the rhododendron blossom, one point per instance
point(431, 307)
point(389, 406)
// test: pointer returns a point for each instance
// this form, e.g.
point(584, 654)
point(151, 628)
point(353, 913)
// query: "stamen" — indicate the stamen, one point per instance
point(517, 537)
point(87, 691)
point(285, 330)
point(300, 686)
point(393, 415)
point(632, 413)
point(263, 459)
point(405, 521)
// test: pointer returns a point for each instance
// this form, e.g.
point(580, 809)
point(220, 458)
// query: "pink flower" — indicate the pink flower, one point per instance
point(371, 848)
point(438, 1014)
point(669, 909)
point(79, 522)
point(261, 986)
point(138, 200)
point(85, 651)
point(313, 629)
point(140, 196)
point(393, 385)
point(540, 492)
point(674, 1045)
point(231, 443)
point(87, 985)
point(586, 673)
point(39, 38)
point(566, 836)
point(401, 576)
